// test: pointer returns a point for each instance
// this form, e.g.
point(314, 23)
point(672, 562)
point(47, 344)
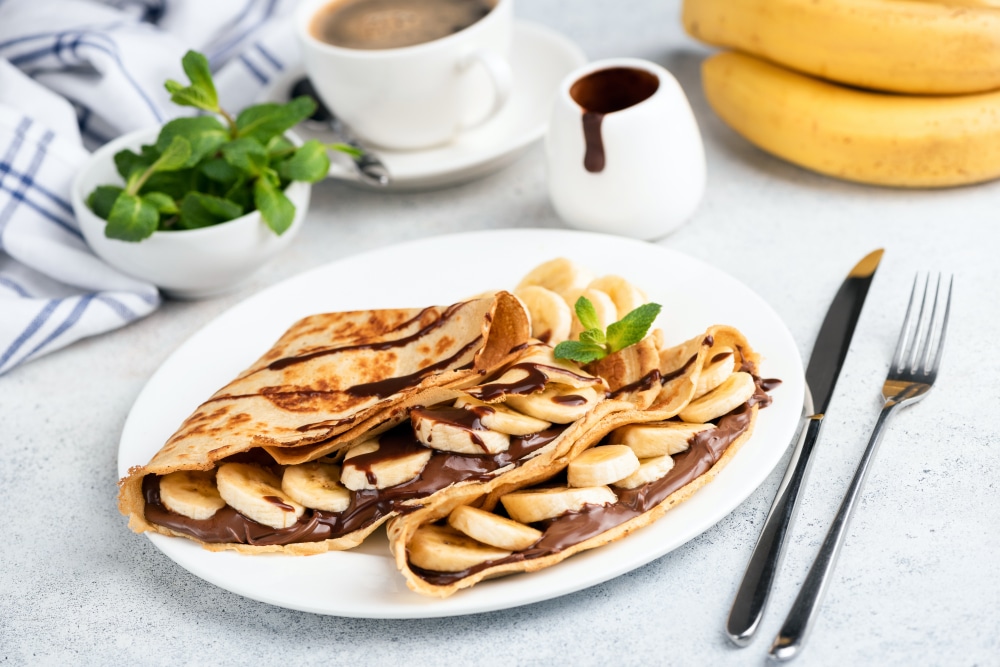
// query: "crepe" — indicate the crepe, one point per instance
point(440, 549)
point(331, 379)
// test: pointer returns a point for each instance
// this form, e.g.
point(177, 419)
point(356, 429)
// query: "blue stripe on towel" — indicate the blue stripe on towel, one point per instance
point(37, 323)
point(119, 308)
point(260, 76)
point(269, 57)
point(14, 286)
point(71, 319)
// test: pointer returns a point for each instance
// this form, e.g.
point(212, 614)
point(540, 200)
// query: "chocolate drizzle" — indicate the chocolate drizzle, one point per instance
point(227, 526)
point(533, 382)
point(390, 386)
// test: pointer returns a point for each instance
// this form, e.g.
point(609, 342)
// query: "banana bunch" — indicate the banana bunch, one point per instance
point(902, 93)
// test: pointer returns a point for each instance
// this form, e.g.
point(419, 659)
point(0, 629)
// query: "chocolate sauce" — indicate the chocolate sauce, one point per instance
point(366, 507)
point(279, 502)
point(532, 383)
point(569, 399)
point(390, 386)
point(769, 384)
point(647, 381)
point(606, 91)
point(720, 356)
point(673, 375)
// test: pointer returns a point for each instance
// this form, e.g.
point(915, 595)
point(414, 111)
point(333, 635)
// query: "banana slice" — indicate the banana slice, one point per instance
point(736, 390)
point(496, 417)
point(649, 470)
point(256, 493)
point(491, 529)
point(603, 305)
point(533, 505)
point(602, 465)
point(626, 296)
point(444, 549)
point(551, 316)
point(456, 430)
point(191, 493)
point(557, 404)
point(720, 366)
point(562, 276)
point(649, 440)
point(380, 473)
point(316, 485)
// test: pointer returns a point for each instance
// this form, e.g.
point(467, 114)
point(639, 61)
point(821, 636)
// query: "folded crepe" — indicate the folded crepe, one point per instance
point(693, 406)
point(353, 418)
point(329, 380)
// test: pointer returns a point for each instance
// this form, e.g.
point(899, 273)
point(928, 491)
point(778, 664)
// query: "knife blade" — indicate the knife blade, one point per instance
point(825, 362)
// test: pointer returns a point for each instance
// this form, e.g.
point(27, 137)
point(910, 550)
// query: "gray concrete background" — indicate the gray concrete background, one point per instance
point(917, 583)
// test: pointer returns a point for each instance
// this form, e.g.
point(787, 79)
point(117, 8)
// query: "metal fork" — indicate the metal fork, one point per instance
point(912, 372)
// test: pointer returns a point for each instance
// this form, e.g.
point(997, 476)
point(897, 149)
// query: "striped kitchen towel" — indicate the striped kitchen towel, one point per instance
point(74, 74)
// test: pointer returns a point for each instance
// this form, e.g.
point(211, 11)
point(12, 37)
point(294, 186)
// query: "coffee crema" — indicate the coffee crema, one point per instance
point(606, 91)
point(392, 24)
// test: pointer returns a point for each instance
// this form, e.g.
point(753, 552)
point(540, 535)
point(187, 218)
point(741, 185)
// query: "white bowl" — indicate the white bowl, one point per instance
point(184, 264)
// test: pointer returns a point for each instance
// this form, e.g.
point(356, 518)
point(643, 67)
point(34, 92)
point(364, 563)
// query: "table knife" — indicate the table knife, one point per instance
point(827, 358)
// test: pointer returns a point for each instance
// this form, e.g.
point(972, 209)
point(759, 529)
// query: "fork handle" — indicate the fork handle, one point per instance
point(805, 610)
point(755, 588)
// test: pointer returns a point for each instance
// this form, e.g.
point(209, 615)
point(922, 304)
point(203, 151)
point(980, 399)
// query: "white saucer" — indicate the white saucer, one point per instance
point(540, 58)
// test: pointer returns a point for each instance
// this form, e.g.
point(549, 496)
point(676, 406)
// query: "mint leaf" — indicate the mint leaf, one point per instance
point(633, 327)
point(201, 210)
point(205, 133)
point(246, 154)
point(201, 93)
point(131, 219)
point(580, 352)
point(587, 314)
point(163, 203)
point(264, 121)
point(175, 156)
point(595, 336)
point(309, 163)
point(220, 171)
point(276, 209)
point(127, 163)
point(279, 147)
point(102, 199)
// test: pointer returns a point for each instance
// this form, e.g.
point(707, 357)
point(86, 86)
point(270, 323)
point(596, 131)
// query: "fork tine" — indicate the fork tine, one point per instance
point(925, 351)
point(944, 329)
point(904, 332)
point(921, 331)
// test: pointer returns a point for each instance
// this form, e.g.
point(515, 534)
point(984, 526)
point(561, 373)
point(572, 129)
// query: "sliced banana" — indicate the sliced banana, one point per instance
point(604, 306)
point(720, 366)
point(491, 529)
point(496, 417)
point(735, 391)
point(649, 440)
point(562, 276)
point(649, 470)
point(531, 505)
point(316, 485)
point(602, 465)
point(556, 403)
point(380, 473)
point(626, 296)
point(444, 549)
point(447, 435)
point(551, 316)
point(191, 493)
point(256, 493)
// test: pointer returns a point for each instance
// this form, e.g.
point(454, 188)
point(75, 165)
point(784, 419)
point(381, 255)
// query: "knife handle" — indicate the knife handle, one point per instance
point(755, 588)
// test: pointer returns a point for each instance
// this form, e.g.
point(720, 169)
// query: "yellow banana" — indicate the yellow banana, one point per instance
point(882, 139)
point(893, 45)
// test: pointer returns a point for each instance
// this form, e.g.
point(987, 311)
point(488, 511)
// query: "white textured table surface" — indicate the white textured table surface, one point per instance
point(917, 583)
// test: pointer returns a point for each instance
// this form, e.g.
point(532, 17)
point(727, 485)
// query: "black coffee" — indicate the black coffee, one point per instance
point(391, 24)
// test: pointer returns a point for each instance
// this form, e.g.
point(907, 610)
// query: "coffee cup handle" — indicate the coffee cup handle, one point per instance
point(498, 70)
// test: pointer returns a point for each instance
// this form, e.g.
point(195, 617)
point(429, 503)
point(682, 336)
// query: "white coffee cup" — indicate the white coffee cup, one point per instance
point(417, 96)
point(653, 172)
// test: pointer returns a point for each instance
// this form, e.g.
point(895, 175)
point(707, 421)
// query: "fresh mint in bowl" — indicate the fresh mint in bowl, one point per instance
point(198, 204)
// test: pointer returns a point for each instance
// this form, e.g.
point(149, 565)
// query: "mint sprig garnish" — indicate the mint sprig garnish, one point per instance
point(204, 171)
point(594, 343)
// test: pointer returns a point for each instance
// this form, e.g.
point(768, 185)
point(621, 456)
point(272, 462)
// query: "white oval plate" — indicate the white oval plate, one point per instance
point(441, 270)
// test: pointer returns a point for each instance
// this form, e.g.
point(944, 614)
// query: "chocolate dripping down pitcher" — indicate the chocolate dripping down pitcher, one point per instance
point(623, 150)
